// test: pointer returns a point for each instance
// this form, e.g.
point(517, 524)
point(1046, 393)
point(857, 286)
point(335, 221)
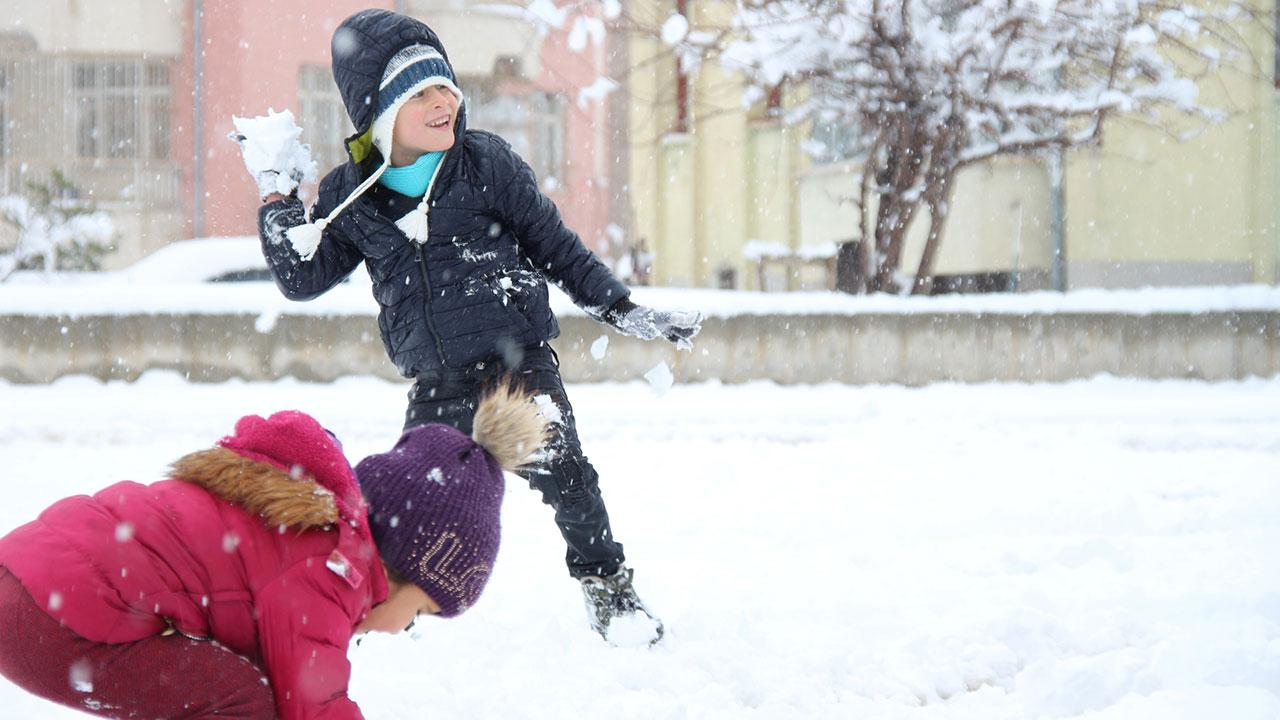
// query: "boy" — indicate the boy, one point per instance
point(459, 243)
point(233, 588)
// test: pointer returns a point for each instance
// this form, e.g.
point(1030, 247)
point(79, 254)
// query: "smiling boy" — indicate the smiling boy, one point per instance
point(460, 243)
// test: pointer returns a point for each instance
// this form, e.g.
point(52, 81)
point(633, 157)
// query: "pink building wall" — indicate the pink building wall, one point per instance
point(583, 197)
point(252, 53)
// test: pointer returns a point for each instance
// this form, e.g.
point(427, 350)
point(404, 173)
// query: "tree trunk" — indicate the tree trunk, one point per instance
point(905, 153)
point(939, 204)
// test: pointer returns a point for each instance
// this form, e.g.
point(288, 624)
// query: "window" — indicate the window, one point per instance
point(323, 117)
point(122, 109)
point(534, 124)
point(834, 135)
point(547, 115)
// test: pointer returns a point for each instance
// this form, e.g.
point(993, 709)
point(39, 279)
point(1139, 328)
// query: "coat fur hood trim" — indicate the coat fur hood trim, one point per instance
point(278, 497)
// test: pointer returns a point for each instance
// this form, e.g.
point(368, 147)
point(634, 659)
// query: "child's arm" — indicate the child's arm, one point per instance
point(554, 249)
point(334, 259)
point(562, 256)
point(304, 627)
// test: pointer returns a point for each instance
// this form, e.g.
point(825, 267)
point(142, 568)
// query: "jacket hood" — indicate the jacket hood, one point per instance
point(362, 45)
point(260, 488)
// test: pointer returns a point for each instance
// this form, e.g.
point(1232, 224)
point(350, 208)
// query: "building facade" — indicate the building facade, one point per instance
point(133, 102)
point(709, 178)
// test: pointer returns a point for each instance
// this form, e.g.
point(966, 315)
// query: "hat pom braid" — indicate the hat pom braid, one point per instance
point(509, 426)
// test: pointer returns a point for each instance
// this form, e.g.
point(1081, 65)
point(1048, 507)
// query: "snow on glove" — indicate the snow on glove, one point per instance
point(272, 153)
point(678, 326)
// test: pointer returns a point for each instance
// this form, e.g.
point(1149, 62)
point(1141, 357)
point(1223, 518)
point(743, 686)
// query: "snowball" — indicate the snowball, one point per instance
point(548, 409)
point(675, 29)
point(436, 476)
point(660, 378)
point(270, 142)
point(81, 676)
point(635, 630)
point(599, 347)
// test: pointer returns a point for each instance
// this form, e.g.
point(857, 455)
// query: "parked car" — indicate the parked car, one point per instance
point(202, 260)
point(217, 259)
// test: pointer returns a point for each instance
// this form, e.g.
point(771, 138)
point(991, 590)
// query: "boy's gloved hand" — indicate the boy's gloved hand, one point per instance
point(272, 153)
point(678, 326)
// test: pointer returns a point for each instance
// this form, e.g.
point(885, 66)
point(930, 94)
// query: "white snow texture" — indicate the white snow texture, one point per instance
point(272, 152)
point(1101, 550)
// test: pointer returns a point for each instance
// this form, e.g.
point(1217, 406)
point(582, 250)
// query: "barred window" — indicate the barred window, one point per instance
point(534, 124)
point(547, 116)
point(322, 116)
point(122, 109)
point(833, 137)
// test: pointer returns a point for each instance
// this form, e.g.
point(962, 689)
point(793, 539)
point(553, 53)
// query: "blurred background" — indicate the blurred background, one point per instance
point(671, 170)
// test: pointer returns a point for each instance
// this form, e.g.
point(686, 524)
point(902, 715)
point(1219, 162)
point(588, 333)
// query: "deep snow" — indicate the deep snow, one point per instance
point(1103, 549)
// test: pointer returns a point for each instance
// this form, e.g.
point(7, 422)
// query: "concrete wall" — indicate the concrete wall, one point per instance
point(911, 349)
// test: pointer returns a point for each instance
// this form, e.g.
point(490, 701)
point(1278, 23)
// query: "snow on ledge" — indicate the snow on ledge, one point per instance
point(260, 298)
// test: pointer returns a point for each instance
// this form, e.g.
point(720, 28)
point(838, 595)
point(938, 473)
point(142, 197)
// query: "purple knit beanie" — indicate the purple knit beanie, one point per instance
point(434, 506)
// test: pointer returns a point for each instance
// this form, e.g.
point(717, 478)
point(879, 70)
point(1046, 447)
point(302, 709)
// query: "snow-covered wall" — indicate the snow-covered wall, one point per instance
point(912, 348)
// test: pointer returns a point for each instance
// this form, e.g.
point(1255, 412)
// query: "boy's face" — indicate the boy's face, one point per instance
point(424, 124)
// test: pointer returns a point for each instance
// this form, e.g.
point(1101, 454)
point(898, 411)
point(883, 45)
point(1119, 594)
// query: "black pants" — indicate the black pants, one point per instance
point(568, 482)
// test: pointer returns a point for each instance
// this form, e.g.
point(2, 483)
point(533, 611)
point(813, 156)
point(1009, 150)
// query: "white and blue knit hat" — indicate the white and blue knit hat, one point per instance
point(409, 71)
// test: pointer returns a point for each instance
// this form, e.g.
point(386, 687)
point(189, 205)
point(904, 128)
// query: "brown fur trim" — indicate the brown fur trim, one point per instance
point(260, 488)
point(508, 425)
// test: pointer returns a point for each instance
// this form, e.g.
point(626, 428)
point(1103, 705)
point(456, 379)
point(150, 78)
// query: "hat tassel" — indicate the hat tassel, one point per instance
point(415, 224)
point(305, 238)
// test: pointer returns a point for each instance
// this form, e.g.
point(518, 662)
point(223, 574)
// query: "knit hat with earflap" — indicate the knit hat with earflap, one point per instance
point(412, 69)
point(297, 444)
point(436, 497)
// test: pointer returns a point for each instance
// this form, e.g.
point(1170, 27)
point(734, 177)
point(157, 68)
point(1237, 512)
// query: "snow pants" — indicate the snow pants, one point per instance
point(567, 481)
point(165, 676)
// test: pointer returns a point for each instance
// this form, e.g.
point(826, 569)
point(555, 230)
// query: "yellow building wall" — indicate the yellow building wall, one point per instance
point(1144, 209)
point(770, 166)
point(1147, 209)
point(689, 191)
point(96, 27)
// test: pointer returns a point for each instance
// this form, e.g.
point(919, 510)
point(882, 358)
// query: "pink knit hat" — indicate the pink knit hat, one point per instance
point(297, 444)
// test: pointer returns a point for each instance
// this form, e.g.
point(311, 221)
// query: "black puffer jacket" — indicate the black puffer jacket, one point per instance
point(477, 287)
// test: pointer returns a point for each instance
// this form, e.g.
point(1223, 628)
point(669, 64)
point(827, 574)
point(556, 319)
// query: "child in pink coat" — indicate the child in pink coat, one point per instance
point(232, 588)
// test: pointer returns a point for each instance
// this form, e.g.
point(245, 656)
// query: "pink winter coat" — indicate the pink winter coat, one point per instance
point(278, 568)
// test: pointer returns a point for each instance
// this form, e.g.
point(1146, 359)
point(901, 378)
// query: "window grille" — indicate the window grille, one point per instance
point(322, 116)
point(122, 109)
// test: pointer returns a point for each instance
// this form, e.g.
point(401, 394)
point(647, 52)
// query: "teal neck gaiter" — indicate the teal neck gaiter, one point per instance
point(412, 180)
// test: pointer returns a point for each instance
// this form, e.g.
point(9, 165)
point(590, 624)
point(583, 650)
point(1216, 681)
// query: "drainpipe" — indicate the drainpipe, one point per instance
point(1057, 221)
point(197, 97)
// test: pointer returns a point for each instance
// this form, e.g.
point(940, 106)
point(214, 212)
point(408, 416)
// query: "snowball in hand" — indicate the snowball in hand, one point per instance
point(271, 148)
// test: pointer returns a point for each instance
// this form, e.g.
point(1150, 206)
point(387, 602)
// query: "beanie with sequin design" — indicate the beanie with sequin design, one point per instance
point(435, 499)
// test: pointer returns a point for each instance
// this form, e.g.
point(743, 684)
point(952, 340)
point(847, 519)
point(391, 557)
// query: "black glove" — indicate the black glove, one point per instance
point(679, 326)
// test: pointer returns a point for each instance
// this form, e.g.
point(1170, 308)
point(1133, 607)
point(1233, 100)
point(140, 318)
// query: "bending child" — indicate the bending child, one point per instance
point(232, 588)
point(459, 243)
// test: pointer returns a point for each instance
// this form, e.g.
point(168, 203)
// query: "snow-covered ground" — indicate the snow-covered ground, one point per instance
point(1104, 549)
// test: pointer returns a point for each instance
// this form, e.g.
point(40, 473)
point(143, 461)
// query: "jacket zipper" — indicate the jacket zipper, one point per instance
point(422, 266)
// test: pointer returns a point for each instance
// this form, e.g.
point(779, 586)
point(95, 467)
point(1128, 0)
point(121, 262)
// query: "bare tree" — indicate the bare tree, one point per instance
point(933, 86)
